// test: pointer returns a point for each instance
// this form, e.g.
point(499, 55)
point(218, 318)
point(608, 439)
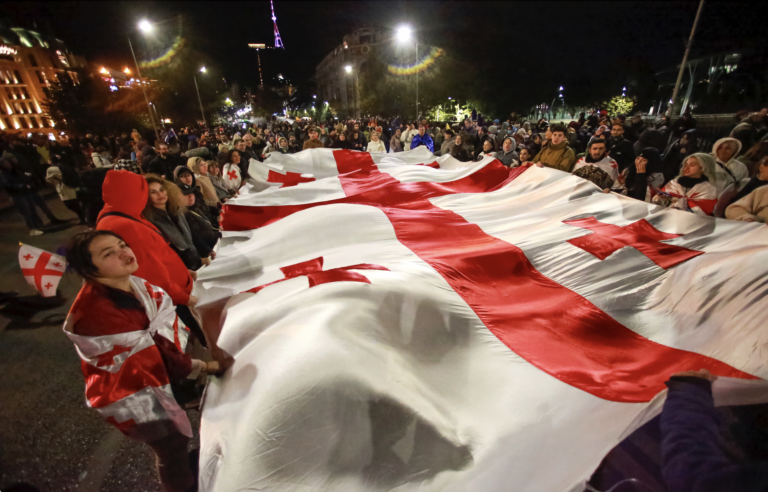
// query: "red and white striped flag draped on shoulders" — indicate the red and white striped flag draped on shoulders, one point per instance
point(126, 379)
point(411, 322)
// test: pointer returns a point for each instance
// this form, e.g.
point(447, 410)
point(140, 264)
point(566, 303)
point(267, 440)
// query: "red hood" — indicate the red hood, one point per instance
point(125, 192)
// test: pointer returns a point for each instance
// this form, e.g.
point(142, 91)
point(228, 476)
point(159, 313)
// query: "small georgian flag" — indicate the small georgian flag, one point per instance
point(41, 269)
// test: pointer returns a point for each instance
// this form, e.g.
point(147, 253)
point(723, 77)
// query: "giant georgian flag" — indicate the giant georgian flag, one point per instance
point(406, 322)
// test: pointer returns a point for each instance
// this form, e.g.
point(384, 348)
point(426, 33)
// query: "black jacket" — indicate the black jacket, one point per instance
point(165, 167)
point(622, 151)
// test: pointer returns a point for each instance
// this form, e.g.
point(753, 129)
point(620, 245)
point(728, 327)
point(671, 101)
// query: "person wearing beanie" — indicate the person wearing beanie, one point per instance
point(448, 142)
point(203, 228)
point(692, 190)
point(645, 175)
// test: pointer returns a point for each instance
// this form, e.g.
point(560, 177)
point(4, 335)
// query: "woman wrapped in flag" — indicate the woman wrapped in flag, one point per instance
point(132, 349)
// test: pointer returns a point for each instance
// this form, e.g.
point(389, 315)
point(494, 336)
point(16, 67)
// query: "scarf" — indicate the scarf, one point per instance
point(689, 182)
point(176, 231)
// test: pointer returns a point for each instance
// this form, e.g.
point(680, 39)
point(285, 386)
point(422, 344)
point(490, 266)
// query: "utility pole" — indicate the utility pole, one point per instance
point(417, 77)
point(685, 59)
point(205, 125)
point(143, 89)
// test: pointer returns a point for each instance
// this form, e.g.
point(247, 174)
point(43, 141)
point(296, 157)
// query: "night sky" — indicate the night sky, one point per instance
point(540, 41)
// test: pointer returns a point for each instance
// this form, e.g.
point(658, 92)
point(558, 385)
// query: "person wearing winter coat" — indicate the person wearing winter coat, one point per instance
point(67, 194)
point(642, 179)
point(395, 144)
point(422, 138)
point(125, 196)
point(487, 151)
point(620, 149)
point(200, 170)
point(508, 155)
point(22, 189)
point(376, 145)
point(691, 190)
point(408, 135)
point(164, 163)
point(458, 151)
point(680, 149)
point(651, 137)
point(214, 175)
point(685, 123)
point(500, 135)
point(342, 142)
point(692, 455)
point(165, 210)
point(448, 143)
point(557, 154)
point(101, 158)
point(729, 172)
point(751, 203)
point(597, 159)
point(202, 226)
point(231, 171)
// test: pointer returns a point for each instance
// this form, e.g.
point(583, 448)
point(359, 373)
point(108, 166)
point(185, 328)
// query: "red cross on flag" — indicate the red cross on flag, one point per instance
point(41, 269)
point(509, 319)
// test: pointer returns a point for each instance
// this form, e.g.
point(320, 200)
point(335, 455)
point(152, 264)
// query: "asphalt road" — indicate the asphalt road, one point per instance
point(49, 438)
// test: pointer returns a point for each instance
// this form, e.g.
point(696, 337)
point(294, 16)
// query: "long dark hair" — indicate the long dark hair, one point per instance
point(79, 253)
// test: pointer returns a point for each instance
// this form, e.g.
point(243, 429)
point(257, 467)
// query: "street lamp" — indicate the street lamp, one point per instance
point(404, 34)
point(200, 101)
point(145, 27)
point(348, 69)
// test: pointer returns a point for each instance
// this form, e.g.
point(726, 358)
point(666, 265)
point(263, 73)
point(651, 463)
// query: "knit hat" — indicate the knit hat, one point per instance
point(178, 173)
point(493, 129)
point(707, 162)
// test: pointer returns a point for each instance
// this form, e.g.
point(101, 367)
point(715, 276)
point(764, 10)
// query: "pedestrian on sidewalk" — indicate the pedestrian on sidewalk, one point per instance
point(63, 177)
point(22, 189)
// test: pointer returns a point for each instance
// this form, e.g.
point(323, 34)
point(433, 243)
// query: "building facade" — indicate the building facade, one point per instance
point(30, 61)
point(337, 76)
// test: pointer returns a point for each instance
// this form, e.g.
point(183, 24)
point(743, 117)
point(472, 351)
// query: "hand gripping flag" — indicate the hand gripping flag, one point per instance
point(41, 269)
point(126, 380)
point(439, 325)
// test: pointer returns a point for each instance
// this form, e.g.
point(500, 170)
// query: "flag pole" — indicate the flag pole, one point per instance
point(685, 59)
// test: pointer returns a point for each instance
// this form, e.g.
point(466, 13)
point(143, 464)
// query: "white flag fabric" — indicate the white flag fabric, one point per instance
point(425, 324)
point(42, 270)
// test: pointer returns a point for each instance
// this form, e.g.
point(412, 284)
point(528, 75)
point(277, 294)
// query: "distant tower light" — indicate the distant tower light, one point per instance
point(278, 41)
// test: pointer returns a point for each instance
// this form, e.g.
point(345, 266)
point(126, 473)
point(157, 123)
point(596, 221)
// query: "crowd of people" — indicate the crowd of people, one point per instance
point(152, 206)
point(663, 162)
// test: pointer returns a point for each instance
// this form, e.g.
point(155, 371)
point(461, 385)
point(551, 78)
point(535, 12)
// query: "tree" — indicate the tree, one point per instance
point(85, 104)
point(620, 105)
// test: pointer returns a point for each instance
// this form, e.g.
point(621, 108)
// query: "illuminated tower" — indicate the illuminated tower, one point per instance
point(278, 41)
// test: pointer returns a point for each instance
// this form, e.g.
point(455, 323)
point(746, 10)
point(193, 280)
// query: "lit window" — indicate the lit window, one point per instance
point(40, 77)
point(19, 80)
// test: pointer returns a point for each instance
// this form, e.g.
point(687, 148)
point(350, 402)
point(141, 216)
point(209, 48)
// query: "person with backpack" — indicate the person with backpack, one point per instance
point(66, 181)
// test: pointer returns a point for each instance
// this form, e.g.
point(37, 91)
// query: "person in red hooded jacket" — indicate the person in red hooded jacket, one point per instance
point(125, 195)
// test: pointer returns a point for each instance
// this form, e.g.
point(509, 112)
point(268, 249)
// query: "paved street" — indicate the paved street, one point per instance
point(48, 437)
